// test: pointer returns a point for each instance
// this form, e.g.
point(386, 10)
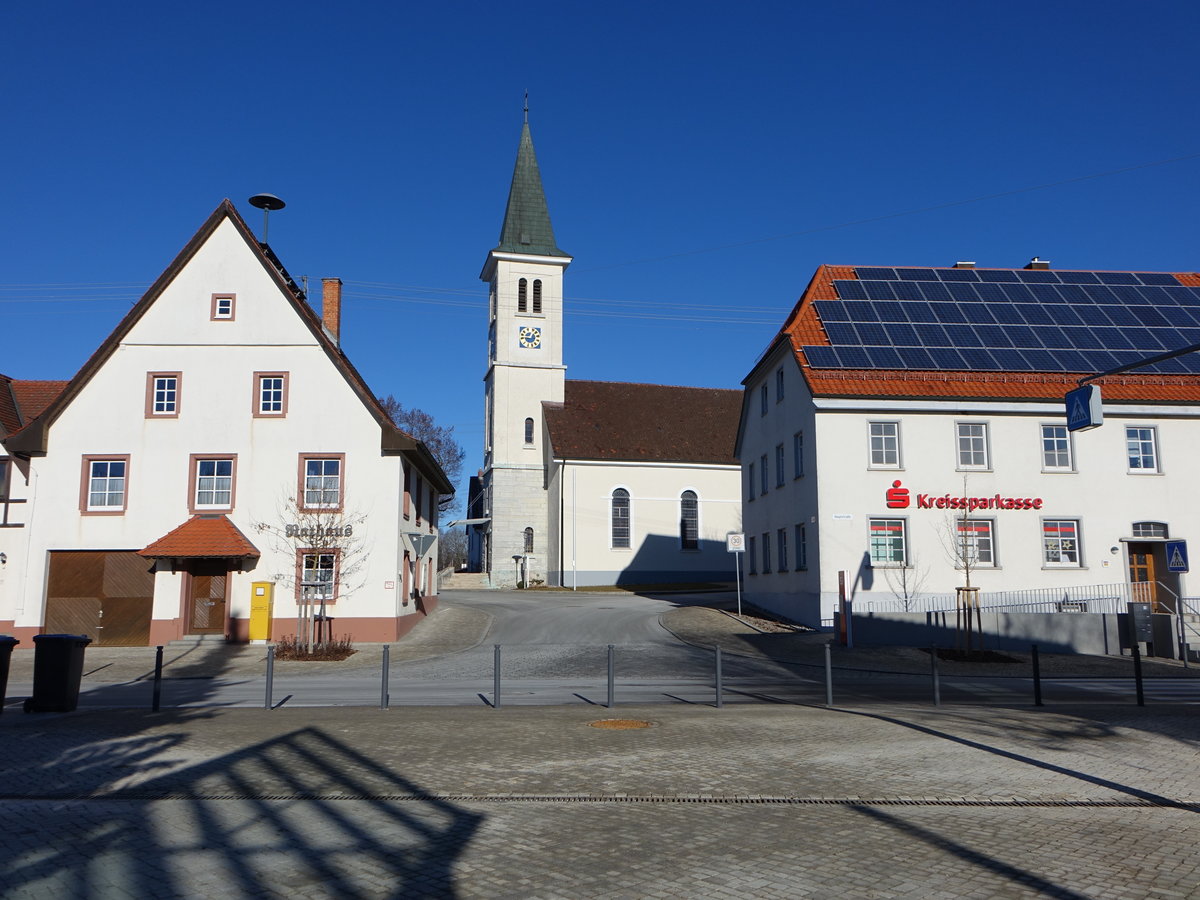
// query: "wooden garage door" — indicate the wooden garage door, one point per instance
point(106, 595)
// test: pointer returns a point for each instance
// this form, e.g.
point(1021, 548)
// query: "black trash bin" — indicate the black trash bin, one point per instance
point(57, 670)
point(6, 648)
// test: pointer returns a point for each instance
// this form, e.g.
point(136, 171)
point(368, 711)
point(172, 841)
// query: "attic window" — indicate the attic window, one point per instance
point(223, 306)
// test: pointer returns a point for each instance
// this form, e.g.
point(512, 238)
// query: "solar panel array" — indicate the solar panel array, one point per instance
point(1008, 320)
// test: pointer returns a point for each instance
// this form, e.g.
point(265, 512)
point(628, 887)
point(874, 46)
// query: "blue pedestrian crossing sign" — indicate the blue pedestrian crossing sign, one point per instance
point(1085, 409)
point(1177, 560)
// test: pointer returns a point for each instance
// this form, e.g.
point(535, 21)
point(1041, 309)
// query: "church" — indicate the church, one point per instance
point(588, 483)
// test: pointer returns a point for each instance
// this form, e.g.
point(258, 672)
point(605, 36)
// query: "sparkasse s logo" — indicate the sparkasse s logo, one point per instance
point(897, 496)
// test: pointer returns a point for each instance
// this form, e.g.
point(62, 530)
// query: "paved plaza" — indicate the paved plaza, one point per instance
point(746, 801)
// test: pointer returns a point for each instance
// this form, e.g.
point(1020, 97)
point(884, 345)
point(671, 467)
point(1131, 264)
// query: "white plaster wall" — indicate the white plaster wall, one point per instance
point(654, 518)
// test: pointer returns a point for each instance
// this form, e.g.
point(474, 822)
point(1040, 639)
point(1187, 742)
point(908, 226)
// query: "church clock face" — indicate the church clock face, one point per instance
point(530, 337)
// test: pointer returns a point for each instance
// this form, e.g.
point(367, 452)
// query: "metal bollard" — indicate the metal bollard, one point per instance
point(1137, 674)
point(1037, 676)
point(828, 676)
point(611, 680)
point(383, 690)
point(157, 679)
point(720, 700)
point(270, 676)
point(937, 678)
point(496, 680)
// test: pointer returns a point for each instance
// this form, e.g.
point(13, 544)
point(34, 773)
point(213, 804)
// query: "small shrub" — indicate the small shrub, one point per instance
point(291, 647)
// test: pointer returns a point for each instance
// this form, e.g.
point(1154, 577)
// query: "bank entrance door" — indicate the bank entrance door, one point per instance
point(1142, 573)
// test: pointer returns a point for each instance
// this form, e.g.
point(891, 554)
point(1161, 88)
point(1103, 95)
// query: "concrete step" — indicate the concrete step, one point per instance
point(465, 581)
point(199, 640)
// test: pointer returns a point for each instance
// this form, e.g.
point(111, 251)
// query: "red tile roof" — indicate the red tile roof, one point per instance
point(21, 401)
point(804, 327)
point(206, 536)
point(644, 422)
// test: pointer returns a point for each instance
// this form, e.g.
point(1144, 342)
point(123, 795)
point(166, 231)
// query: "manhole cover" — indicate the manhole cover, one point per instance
point(621, 724)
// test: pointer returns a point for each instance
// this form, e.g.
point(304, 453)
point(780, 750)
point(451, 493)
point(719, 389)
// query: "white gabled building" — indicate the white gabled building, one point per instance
point(217, 447)
point(893, 398)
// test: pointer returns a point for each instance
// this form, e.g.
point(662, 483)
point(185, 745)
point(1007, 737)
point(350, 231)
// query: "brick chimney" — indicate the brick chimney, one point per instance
point(331, 307)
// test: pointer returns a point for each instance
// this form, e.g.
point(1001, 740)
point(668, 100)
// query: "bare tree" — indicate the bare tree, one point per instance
point(438, 438)
point(906, 582)
point(452, 548)
point(330, 553)
point(962, 545)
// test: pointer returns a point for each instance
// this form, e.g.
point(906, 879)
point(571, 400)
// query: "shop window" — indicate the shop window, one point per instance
point(1060, 543)
point(975, 543)
point(889, 544)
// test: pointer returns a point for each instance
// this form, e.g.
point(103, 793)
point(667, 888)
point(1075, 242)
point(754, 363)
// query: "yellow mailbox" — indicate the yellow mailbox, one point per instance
point(261, 601)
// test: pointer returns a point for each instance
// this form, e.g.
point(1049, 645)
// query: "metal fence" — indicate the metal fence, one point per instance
point(1096, 598)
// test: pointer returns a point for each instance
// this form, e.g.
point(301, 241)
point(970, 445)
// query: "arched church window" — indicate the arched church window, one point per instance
point(528, 540)
point(537, 295)
point(689, 521)
point(522, 295)
point(620, 518)
point(529, 431)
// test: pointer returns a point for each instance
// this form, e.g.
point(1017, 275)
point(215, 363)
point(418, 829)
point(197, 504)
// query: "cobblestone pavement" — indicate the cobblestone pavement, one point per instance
point(749, 801)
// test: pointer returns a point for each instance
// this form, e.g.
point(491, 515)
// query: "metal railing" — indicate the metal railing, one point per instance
point(1101, 598)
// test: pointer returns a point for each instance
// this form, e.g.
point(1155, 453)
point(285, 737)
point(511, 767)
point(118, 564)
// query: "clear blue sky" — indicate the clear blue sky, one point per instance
point(700, 160)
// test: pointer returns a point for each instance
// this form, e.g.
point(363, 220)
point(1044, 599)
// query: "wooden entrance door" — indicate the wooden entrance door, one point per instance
point(207, 594)
point(1141, 574)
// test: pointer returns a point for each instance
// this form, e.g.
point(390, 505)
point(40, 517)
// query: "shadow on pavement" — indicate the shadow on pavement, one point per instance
point(129, 819)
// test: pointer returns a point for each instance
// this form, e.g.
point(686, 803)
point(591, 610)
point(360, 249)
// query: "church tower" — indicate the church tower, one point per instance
point(524, 274)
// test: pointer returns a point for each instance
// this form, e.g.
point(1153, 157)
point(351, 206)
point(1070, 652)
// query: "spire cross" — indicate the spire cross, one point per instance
point(527, 107)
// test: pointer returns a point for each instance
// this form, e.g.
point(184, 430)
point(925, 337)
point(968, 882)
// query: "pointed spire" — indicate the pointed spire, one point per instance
point(527, 226)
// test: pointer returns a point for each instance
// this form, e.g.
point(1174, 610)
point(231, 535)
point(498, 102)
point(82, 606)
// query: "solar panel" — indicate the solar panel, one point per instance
point(1093, 315)
point(1006, 313)
point(884, 273)
point(1004, 319)
point(1019, 293)
point(873, 334)
point(1046, 293)
point(916, 358)
point(963, 336)
point(1011, 360)
point(853, 357)
point(1148, 315)
point(933, 290)
point(1022, 336)
point(957, 274)
point(932, 336)
point(978, 315)
point(948, 312)
point(991, 292)
point(1078, 278)
point(1036, 315)
point(821, 357)
point(1042, 360)
point(997, 275)
point(1117, 277)
point(979, 359)
point(1168, 367)
point(879, 290)
point(1037, 276)
point(832, 311)
point(993, 336)
point(890, 311)
point(841, 332)
point(885, 358)
point(850, 290)
point(946, 358)
point(920, 311)
point(1121, 315)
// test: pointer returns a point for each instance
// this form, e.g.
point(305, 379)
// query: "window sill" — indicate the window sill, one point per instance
point(1060, 471)
point(980, 471)
point(1063, 568)
point(1146, 472)
point(885, 468)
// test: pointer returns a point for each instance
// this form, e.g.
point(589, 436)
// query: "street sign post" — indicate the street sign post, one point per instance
point(1177, 557)
point(735, 543)
point(1085, 409)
